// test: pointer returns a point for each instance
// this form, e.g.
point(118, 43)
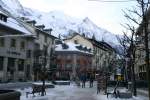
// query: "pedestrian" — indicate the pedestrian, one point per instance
point(104, 83)
point(99, 83)
point(83, 78)
point(91, 80)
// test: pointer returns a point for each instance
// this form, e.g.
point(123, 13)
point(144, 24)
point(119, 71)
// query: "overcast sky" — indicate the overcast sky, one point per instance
point(105, 15)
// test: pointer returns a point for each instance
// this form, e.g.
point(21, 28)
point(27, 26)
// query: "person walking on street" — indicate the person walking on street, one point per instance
point(83, 78)
point(91, 80)
point(99, 83)
point(104, 83)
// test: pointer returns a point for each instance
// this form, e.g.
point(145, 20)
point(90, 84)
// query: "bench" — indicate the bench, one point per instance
point(114, 93)
point(62, 82)
point(35, 89)
point(125, 94)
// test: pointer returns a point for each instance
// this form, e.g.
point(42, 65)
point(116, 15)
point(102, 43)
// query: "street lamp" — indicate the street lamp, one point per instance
point(127, 59)
point(45, 51)
point(44, 70)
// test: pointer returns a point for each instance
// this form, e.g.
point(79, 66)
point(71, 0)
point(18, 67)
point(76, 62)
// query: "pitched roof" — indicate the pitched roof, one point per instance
point(70, 46)
point(14, 24)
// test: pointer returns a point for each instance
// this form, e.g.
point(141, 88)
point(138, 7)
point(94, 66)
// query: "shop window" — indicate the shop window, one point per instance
point(11, 65)
point(20, 65)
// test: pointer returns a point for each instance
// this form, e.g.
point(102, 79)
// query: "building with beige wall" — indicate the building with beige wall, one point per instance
point(77, 38)
point(140, 68)
point(104, 54)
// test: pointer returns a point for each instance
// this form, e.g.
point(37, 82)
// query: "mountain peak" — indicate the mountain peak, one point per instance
point(12, 6)
point(87, 20)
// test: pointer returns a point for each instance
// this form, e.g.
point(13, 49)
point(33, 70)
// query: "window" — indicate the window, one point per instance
point(22, 45)
point(45, 39)
point(20, 65)
point(1, 63)
point(13, 43)
point(28, 53)
point(38, 34)
point(3, 18)
point(2, 43)
point(11, 65)
point(76, 41)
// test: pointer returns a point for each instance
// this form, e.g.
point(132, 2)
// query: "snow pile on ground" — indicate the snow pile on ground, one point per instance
point(72, 92)
point(104, 97)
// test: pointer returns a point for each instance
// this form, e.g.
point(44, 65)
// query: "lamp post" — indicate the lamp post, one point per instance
point(44, 70)
point(127, 59)
point(45, 51)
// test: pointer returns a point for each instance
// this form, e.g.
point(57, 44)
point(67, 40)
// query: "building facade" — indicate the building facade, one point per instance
point(15, 45)
point(72, 60)
point(104, 55)
point(140, 68)
point(44, 41)
point(22, 48)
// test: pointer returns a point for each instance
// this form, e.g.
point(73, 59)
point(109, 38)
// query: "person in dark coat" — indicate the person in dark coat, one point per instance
point(91, 80)
point(99, 83)
point(83, 79)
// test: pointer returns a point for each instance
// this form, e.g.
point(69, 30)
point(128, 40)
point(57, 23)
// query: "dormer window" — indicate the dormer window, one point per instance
point(41, 27)
point(3, 17)
point(31, 22)
point(76, 41)
point(65, 46)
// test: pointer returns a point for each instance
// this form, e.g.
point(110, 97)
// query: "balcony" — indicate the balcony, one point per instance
point(38, 53)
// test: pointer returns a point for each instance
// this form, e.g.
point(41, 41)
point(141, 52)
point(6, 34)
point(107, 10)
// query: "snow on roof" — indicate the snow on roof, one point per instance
point(12, 23)
point(71, 47)
point(2, 13)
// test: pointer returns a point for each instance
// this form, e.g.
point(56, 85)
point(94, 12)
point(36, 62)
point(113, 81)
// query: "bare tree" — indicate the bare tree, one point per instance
point(129, 48)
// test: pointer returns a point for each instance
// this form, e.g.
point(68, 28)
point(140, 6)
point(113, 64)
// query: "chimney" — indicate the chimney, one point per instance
point(41, 27)
point(48, 30)
point(31, 22)
point(24, 18)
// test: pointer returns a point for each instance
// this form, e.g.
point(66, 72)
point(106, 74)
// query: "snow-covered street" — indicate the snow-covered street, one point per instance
point(71, 92)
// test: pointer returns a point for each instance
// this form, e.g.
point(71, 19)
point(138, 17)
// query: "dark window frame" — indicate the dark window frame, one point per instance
point(20, 65)
point(22, 45)
point(13, 43)
point(2, 42)
point(1, 63)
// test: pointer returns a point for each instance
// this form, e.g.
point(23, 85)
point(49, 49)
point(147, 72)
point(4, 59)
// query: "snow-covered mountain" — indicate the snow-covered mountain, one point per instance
point(60, 22)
